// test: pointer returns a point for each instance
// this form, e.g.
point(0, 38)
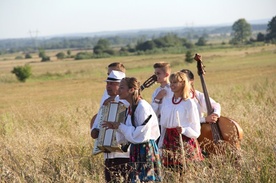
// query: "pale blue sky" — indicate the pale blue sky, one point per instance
point(51, 17)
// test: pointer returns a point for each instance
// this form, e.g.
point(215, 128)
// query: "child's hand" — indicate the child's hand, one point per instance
point(212, 118)
point(179, 129)
point(110, 125)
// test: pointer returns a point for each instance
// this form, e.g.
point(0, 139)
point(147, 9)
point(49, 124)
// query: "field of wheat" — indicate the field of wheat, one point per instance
point(44, 122)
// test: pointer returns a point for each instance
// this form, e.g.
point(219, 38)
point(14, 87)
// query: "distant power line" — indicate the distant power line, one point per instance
point(34, 35)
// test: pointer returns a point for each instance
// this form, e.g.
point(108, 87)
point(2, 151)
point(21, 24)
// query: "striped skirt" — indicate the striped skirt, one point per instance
point(145, 162)
point(172, 152)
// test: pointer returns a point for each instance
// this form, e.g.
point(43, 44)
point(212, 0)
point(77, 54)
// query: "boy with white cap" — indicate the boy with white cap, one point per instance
point(115, 162)
point(117, 66)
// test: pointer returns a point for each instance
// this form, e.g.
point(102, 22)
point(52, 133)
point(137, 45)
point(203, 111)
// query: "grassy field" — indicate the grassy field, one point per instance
point(44, 123)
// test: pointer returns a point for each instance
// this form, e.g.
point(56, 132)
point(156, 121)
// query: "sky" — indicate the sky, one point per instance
point(39, 18)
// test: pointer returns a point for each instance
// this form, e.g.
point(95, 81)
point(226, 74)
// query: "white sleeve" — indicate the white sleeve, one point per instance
point(97, 120)
point(141, 133)
point(193, 130)
point(203, 108)
point(154, 105)
point(104, 97)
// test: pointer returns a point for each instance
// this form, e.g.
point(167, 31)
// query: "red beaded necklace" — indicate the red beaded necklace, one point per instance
point(176, 102)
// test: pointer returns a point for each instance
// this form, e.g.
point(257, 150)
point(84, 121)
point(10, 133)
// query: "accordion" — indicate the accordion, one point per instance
point(106, 141)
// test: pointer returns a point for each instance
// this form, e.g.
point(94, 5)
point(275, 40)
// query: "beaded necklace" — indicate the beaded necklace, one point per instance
point(177, 102)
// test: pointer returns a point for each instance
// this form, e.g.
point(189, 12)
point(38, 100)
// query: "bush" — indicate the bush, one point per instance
point(60, 55)
point(189, 57)
point(45, 58)
point(18, 57)
point(27, 56)
point(83, 55)
point(22, 72)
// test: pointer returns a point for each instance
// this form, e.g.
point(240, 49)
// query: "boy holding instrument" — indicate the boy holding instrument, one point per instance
point(115, 162)
point(117, 66)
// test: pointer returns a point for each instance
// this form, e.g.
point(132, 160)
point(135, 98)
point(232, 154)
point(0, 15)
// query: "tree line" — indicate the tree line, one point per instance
point(125, 38)
point(108, 46)
point(241, 35)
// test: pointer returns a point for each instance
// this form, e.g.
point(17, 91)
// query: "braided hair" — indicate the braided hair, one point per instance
point(132, 82)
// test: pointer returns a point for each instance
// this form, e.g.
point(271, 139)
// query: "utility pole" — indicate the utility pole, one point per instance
point(34, 35)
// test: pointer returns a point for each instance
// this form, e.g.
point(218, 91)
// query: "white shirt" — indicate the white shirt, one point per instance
point(104, 97)
point(110, 155)
point(202, 108)
point(187, 118)
point(157, 107)
point(141, 133)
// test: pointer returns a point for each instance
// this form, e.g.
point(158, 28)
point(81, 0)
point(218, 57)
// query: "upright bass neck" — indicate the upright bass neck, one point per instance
point(210, 110)
point(214, 126)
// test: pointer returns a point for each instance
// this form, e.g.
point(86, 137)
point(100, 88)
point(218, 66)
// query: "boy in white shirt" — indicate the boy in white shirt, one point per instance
point(162, 71)
point(116, 163)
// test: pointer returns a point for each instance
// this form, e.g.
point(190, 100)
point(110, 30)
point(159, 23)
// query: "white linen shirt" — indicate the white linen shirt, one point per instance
point(141, 133)
point(187, 117)
point(202, 108)
point(157, 107)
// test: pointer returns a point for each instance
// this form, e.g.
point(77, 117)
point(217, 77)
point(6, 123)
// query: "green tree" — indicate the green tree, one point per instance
point(147, 45)
point(201, 41)
point(68, 52)
point(41, 53)
point(242, 32)
point(22, 72)
point(45, 58)
point(189, 57)
point(271, 29)
point(28, 55)
point(260, 37)
point(102, 46)
point(60, 55)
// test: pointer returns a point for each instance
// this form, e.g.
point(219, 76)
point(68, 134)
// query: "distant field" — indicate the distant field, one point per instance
point(44, 123)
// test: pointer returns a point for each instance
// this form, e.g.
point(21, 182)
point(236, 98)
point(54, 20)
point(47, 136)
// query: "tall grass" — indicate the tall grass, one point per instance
point(44, 123)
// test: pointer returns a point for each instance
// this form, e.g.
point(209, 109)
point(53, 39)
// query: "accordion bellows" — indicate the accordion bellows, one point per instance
point(106, 142)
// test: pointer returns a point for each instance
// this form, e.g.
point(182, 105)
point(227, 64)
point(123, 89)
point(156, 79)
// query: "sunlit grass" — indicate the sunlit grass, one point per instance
point(44, 123)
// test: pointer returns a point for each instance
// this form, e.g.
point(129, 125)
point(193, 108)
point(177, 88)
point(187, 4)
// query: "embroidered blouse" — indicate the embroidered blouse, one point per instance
point(140, 133)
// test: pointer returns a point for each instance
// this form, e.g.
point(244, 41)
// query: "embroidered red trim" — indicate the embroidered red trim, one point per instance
point(176, 102)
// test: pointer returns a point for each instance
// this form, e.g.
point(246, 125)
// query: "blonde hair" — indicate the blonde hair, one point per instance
point(182, 77)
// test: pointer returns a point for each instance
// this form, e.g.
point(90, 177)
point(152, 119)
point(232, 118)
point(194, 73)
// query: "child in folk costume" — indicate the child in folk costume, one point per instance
point(201, 103)
point(140, 130)
point(162, 71)
point(116, 66)
point(116, 163)
point(180, 125)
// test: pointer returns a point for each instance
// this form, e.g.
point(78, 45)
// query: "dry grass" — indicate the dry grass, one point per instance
point(44, 123)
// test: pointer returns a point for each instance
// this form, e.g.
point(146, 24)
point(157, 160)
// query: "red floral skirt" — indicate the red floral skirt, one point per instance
point(174, 154)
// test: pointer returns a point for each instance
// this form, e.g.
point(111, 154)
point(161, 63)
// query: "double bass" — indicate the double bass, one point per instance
point(213, 135)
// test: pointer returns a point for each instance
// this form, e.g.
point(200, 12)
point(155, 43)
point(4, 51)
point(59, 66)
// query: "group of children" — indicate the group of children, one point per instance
point(161, 133)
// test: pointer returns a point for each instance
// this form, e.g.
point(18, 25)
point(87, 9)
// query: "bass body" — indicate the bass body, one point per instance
point(230, 133)
point(224, 130)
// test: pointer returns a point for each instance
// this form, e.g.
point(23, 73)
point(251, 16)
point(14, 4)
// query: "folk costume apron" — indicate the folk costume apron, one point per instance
point(172, 152)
